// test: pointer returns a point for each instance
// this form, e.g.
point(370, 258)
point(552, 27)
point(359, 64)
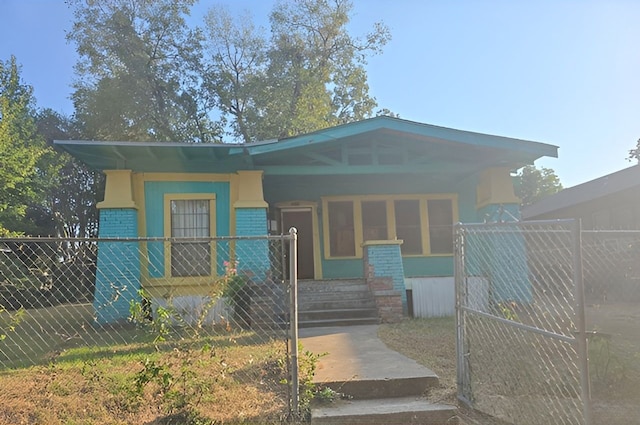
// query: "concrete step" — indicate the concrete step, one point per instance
point(404, 410)
point(332, 286)
point(310, 304)
point(388, 387)
point(338, 321)
point(346, 313)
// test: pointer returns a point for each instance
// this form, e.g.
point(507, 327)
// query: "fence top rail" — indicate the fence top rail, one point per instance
point(564, 222)
point(283, 237)
point(616, 233)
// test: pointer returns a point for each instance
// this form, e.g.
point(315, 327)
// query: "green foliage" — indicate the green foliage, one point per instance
point(309, 75)
point(507, 310)
point(74, 189)
point(532, 184)
point(144, 74)
point(22, 151)
point(234, 285)
point(9, 324)
point(159, 326)
point(606, 367)
point(139, 72)
point(634, 154)
point(307, 365)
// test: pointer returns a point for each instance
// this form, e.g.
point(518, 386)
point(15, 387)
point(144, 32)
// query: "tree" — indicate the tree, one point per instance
point(74, 189)
point(144, 75)
point(22, 151)
point(138, 76)
point(634, 154)
point(309, 75)
point(531, 184)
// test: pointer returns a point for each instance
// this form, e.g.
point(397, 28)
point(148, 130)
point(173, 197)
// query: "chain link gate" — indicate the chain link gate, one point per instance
point(59, 295)
point(521, 340)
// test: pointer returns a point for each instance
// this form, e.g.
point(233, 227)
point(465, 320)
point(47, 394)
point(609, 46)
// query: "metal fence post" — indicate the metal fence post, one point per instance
point(458, 282)
point(293, 279)
point(583, 353)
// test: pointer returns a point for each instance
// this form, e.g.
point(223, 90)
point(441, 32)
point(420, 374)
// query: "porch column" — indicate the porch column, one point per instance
point(251, 220)
point(505, 249)
point(384, 259)
point(118, 263)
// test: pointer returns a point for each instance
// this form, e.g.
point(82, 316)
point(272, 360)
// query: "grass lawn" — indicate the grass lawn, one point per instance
point(85, 375)
point(615, 391)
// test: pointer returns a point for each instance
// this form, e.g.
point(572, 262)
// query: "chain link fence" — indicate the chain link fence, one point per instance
point(63, 299)
point(521, 337)
point(611, 264)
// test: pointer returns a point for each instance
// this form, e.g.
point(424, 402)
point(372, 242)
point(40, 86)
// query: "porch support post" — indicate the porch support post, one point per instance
point(506, 264)
point(384, 259)
point(118, 263)
point(251, 220)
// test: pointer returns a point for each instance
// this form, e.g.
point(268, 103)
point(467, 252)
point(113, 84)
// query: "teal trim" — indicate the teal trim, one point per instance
point(154, 209)
point(428, 266)
point(425, 141)
point(346, 169)
point(118, 266)
point(432, 132)
point(413, 267)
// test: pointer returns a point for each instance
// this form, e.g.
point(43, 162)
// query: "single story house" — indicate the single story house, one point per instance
point(383, 185)
point(610, 202)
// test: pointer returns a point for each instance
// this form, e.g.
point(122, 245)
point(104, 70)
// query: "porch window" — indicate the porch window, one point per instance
point(374, 220)
point(190, 218)
point(408, 226)
point(423, 222)
point(342, 234)
point(440, 212)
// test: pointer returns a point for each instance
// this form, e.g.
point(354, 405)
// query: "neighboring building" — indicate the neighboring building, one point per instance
point(381, 185)
point(611, 202)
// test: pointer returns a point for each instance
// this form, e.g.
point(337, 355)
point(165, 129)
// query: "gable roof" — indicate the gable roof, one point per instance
point(610, 184)
point(415, 146)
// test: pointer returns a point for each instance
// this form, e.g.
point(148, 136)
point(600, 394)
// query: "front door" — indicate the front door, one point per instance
point(301, 219)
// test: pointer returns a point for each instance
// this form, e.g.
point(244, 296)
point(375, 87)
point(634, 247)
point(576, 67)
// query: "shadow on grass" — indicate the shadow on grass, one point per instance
point(67, 333)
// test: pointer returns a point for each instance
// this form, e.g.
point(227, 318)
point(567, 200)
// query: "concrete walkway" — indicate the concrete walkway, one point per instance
point(355, 354)
point(384, 386)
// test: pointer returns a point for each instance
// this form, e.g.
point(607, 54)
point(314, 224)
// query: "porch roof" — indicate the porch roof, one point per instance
point(373, 146)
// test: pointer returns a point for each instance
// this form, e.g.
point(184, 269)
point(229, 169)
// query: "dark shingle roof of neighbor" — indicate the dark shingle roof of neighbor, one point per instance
point(593, 189)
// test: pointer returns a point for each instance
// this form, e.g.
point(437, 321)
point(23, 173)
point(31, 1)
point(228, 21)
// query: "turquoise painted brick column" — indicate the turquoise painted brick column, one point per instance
point(384, 259)
point(505, 258)
point(118, 266)
point(253, 254)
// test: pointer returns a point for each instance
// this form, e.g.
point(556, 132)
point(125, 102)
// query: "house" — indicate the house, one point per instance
point(609, 211)
point(610, 202)
point(381, 188)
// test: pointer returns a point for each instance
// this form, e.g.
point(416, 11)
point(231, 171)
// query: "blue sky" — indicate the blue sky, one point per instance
point(565, 72)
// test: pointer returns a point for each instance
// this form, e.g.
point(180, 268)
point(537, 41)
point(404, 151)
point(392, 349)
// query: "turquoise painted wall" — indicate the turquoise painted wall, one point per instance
point(154, 208)
point(501, 255)
point(312, 188)
point(252, 254)
point(118, 266)
point(385, 262)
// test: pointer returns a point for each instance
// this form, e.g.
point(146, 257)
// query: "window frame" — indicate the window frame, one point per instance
point(168, 198)
point(357, 201)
